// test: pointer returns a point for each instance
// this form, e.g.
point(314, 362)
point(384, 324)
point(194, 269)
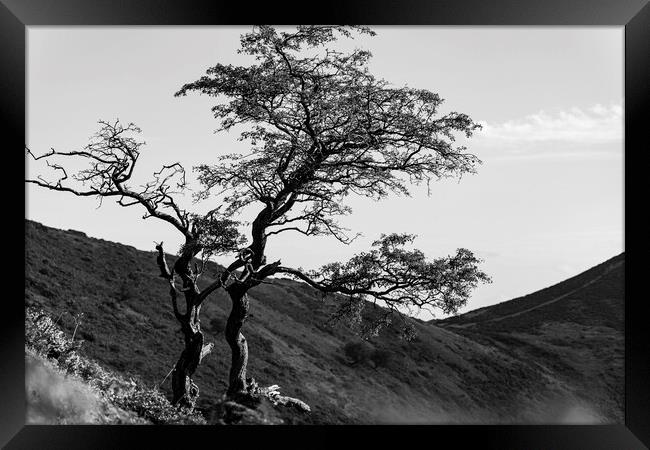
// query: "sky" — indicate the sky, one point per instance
point(546, 203)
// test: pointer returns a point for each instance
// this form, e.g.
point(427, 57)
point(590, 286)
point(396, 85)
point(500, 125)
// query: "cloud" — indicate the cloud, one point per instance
point(598, 124)
point(569, 133)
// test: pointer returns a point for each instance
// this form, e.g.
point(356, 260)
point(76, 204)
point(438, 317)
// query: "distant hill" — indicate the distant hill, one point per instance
point(573, 329)
point(590, 298)
point(545, 360)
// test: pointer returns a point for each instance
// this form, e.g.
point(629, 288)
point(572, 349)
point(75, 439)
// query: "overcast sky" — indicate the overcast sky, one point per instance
point(546, 204)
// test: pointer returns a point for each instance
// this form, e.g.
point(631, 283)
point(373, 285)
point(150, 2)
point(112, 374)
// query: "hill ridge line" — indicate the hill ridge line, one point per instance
point(548, 302)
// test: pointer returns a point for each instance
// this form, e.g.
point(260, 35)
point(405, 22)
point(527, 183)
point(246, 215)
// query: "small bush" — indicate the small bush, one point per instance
point(88, 336)
point(152, 405)
point(216, 325)
point(358, 351)
point(126, 291)
point(44, 335)
point(381, 357)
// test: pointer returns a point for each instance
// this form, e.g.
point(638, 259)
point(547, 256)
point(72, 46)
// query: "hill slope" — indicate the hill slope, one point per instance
point(449, 373)
point(53, 398)
point(574, 329)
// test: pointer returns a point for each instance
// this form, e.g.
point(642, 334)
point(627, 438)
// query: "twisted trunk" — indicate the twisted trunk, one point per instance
point(184, 391)
point(236, 340)
point(237, 383)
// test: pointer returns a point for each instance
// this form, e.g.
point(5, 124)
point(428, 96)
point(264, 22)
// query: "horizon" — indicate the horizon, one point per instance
point(546, 204)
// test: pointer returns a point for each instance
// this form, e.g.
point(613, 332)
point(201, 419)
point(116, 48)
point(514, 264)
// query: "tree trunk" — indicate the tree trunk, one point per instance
point(185, 392)
point(237, 341)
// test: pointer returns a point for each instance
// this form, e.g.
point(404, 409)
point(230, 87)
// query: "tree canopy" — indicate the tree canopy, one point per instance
point(322, 127)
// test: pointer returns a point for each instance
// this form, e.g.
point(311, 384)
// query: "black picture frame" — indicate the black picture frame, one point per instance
point(16, 15)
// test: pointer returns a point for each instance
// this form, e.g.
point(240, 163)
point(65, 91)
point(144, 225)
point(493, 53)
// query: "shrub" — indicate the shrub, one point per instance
point(152, 405)
point(88, 336)
point(381, 357)
point(126, 291)
point(44, 335)
point(358, 351)
point(216, 325)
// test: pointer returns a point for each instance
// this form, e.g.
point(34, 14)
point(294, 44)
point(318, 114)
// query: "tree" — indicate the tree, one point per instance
point(111, 158)
point(320, 128)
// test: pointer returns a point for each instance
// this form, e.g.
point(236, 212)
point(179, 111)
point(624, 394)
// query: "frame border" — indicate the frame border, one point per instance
point(16, 15)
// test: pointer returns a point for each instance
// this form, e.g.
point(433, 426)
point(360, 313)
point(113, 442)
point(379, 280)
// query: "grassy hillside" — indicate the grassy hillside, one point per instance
point(446, 375)
point(590, 298)
point(573, 330)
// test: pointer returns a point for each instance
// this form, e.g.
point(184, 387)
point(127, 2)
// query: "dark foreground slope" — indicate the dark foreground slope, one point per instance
point(449, 373)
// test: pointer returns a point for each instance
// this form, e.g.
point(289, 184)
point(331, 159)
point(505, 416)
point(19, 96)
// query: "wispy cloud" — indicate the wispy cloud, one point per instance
point(575, 132)
point(598, 124)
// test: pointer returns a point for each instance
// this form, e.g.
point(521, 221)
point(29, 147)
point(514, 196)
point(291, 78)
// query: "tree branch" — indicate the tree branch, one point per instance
point(399, 277)
point(112, 155)
point(169, 276)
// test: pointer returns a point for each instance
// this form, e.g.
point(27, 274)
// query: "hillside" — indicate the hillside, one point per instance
point(573, 329)
point(451, 373)
point(64, 386)
point(590, 298)
point(57, 399)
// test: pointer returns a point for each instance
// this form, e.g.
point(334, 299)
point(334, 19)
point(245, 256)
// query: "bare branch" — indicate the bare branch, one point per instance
point(162, 263)
point(111, 157)
point(169, 276)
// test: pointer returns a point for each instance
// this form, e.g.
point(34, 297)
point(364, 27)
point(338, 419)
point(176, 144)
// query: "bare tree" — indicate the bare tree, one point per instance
point(320, 128)
point(110, 159)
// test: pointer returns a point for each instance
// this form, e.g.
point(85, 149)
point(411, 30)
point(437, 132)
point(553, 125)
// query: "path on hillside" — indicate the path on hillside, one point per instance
point(548, 302)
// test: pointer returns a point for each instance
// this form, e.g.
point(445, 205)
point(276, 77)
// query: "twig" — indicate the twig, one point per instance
point(168, 373)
